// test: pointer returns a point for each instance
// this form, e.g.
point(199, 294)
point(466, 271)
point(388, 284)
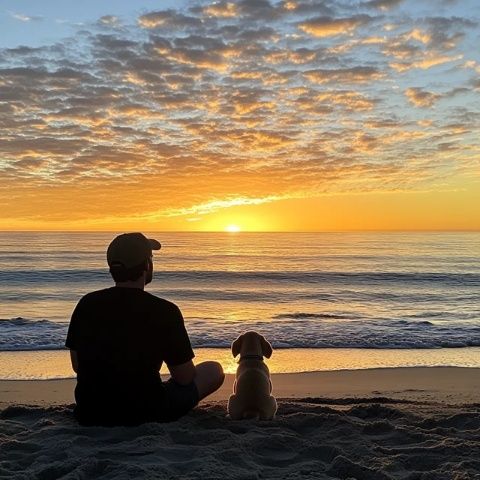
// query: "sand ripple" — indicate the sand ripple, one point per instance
point(312, 438)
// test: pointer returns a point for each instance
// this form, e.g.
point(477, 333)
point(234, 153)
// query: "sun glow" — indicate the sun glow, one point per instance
point(232, 228)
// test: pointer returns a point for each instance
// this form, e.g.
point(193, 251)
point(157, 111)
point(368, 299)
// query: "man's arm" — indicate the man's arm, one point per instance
point(74, 359)
point(72, 341)
point(184, 373)
point(177, 350)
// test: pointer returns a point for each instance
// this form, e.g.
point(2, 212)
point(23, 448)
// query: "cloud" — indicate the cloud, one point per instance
point(327, 26)
point(25, 18)
point(221, 9)
point(344, 75)
point(447, 32)
point(109, 20)
point(430, 42)
point(428, 61)
point(351, 100)
point(473, 65)
point(215, 205)
point(168, 19)
point(258, 9)
point(383, 4)
point(224, 102)
point(421, 98)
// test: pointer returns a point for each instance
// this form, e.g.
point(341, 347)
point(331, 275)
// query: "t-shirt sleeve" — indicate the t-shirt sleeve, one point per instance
point(73, 333)
point(178, 348)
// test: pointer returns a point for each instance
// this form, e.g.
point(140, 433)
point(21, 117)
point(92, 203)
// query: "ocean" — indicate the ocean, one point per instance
point(375, 292)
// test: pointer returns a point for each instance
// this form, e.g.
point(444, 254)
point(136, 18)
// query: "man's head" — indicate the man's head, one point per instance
point(130, 255)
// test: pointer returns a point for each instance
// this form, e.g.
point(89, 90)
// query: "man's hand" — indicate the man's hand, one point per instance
point(183, 373)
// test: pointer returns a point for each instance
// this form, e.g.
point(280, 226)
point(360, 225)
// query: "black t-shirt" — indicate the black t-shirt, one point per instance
point(122, 336)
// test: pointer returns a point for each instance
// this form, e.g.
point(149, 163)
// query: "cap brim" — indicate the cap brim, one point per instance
point(155, 244)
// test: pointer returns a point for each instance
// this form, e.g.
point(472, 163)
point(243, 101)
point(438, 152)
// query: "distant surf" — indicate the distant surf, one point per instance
point(294, 330)
point(301, 290)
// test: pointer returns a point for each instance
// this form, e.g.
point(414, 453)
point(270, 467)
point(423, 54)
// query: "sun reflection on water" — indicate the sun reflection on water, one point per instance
point(56, 363)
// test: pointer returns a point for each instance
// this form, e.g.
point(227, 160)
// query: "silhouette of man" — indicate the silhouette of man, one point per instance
point(118, 339)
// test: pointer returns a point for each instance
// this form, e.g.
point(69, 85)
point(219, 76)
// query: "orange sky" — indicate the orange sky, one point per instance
point(289, 116)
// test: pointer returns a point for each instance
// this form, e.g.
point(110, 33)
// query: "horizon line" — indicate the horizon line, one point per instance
point(477, 230)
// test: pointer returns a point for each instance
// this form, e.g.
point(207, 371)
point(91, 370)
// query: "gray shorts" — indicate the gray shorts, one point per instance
point(175, 401)
point(180, 399)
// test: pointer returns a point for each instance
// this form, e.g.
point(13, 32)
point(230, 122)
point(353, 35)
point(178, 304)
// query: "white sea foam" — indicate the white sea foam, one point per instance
point(294, 331)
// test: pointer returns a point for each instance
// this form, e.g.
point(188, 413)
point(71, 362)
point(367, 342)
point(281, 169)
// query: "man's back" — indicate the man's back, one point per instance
point(122, 336)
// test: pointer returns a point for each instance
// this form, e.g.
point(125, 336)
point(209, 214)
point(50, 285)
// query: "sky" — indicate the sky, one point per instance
point(249, 115)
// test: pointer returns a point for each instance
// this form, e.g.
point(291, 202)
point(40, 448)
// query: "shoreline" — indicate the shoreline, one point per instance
point(446, 385)
point(55, 364)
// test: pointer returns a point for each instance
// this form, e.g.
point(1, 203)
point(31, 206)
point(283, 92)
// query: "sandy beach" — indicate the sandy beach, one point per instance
point(433, 384)
point(403, 423)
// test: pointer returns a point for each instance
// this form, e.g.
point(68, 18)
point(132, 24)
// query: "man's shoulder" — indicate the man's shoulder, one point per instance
point(161, 302)
point(95, 295)
point(140, 297)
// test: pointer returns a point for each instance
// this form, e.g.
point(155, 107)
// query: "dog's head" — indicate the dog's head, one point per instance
point(252, 343)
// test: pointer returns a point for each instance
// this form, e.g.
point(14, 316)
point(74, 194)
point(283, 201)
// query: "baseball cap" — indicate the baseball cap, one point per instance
point(130, 250)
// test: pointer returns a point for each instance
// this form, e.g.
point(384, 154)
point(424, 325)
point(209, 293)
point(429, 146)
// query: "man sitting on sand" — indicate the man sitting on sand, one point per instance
point(120, 336)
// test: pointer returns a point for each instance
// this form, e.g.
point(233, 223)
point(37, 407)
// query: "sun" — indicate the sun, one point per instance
point(232, 228)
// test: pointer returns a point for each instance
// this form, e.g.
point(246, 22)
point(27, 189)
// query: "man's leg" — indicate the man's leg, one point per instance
point(209, 378)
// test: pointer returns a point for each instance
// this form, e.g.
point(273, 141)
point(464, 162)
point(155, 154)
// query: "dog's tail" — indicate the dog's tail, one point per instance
point(251, 414)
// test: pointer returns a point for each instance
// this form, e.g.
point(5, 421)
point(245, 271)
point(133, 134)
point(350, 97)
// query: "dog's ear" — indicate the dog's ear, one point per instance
point(237, 345)
point(266, 347)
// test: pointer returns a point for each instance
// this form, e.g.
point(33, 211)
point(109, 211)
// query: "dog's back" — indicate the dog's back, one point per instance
point(252, 389)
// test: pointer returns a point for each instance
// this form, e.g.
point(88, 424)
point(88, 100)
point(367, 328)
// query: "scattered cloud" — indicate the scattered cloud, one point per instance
point(25, 18)
point(421, 98)
point(383, 4)
point(241, 103)
point(327, 26)
point(428, 61)
point(358, 74)
point(170, 19)
point(109, 20)
point(215, 205)
point(221, 9)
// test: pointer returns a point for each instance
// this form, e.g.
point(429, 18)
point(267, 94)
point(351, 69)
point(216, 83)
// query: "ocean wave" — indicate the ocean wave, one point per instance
point(303, 315)
point(301, 277)
point(263, 293)
point(24, 334)
point(304, 331)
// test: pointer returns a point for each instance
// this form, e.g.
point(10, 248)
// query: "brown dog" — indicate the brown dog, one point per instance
point(252, 388)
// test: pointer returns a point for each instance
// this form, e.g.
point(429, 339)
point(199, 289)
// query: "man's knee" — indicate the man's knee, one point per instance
point(209, 378)
point(218, 373)
point(215, 372)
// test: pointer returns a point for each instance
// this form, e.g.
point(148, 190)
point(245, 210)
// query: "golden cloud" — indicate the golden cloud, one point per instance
point(348, 99)
point(221, 9)
point(419, 35)
point(327, 26)
point(428, 61)
point(345, 75)
point(421, 98)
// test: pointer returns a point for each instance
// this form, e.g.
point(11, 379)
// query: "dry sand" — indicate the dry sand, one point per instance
point(402, 423)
